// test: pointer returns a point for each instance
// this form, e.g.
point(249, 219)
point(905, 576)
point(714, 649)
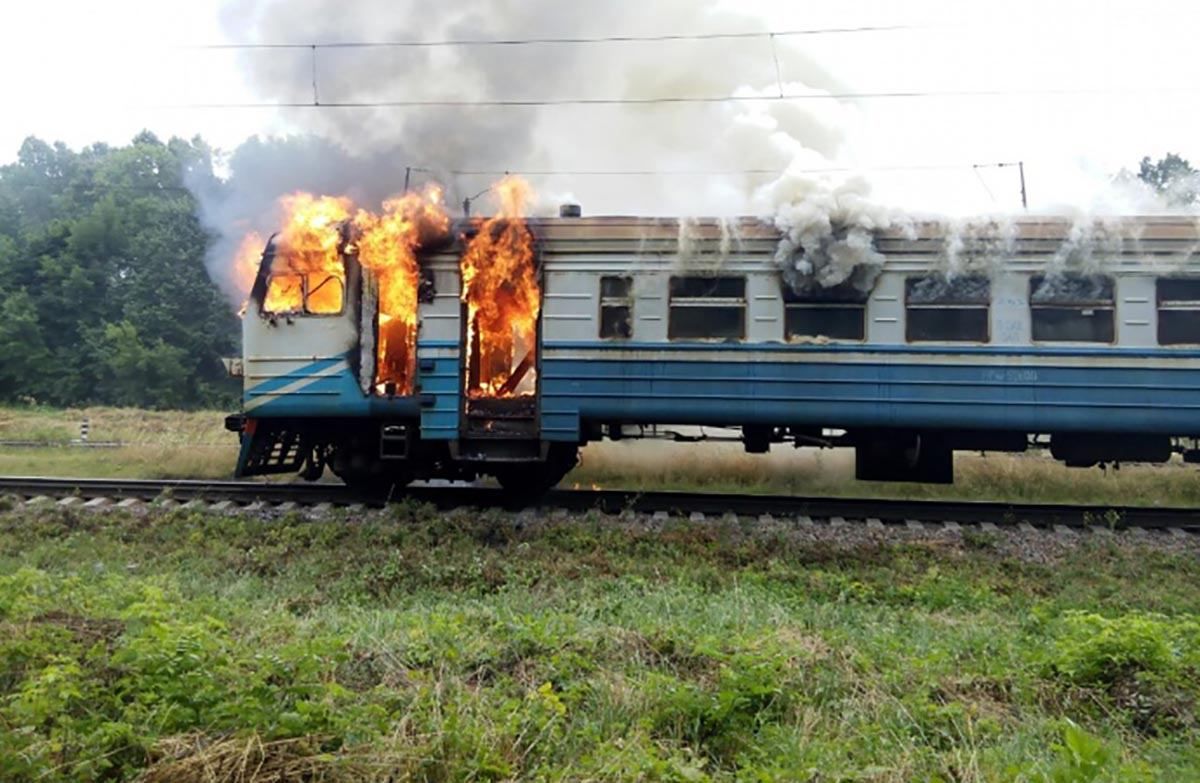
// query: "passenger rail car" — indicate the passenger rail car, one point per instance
point(647, 327)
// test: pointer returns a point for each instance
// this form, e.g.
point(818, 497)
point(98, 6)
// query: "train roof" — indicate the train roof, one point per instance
point(1177, 235)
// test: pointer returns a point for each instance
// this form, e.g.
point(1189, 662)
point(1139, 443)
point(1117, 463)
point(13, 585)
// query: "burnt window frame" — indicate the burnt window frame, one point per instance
point(615, 302)
point(1175, 304)
point(843, 297)
point(679, 298)
point(1069, 305)
point(267, 292)
point(305, 291)
point(951, 302)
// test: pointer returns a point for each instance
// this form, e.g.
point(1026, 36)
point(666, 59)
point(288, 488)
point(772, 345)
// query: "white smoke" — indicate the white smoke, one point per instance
point(787, 161)
point(734, 152)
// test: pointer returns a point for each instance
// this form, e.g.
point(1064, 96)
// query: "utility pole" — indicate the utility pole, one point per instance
point(1020, 164)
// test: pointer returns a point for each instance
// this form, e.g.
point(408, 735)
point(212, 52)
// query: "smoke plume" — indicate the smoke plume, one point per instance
point(784, 161)
point(364, 152)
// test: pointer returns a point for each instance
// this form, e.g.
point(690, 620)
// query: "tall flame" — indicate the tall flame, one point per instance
point(503, 298)
point(387, 246)
point(308, 273)
point(499, 280)
point(246, 263)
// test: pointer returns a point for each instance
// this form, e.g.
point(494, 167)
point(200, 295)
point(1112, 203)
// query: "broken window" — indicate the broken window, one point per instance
point(285, 294)
point(942, 309)
point(616, 307)
point(318, 293)
point(707, 308)
point(1178, 310)
point(1072, 308)
point(323, 293)
point(836, 312)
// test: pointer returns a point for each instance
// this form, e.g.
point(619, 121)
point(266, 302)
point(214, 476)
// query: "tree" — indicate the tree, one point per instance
point(103, 289)
point(1173, 177)
point(26, 363)
point(140, 373)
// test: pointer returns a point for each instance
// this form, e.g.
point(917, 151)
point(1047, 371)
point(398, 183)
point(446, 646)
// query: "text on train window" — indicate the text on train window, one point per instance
point(1070, 307)
point(1178, 310)
point(616, 307)
point(836, 312)
point(942, 309)
point(707, 308)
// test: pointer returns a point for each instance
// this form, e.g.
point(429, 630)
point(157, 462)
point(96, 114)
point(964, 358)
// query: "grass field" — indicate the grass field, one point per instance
point(158, 444)
point(165, 444)
point(181, 646)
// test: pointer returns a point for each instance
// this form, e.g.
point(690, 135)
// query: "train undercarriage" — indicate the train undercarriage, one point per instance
point(383, 457)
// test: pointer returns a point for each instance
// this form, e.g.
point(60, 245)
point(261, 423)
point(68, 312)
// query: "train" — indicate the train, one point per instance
point(1018, 336)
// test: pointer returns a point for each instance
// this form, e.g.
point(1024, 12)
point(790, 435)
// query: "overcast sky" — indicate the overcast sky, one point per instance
point(1095, 85)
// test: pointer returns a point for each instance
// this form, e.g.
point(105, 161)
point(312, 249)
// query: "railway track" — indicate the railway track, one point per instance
point(232, 495)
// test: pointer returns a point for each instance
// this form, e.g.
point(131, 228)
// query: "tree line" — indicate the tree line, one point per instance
point(104, 297)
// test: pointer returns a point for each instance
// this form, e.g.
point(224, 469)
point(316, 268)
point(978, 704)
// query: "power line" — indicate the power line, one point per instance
point(668, 100)
point(405, 44)
point(696, 172)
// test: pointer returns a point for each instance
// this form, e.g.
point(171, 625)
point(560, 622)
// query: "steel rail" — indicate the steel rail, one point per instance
point(614, 501)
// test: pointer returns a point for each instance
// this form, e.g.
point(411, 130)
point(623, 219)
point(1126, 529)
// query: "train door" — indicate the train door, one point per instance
point(501, 335)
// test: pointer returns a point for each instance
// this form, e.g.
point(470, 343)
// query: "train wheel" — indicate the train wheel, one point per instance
point(526, 483)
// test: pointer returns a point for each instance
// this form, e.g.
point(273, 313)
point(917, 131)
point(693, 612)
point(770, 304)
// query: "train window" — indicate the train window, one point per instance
point(285, 294)
point(1073, 308)
point(323, 293)
point(319, 293)
point(707, 308)
point(836, 312)
point(942, 309)
point(616, 307)
point(1178, 310)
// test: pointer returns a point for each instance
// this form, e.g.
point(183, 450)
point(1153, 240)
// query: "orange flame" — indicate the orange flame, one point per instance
point(307, 273)
point(499, 280)
point(503, 298)
point(387, 246)
point(245, 265)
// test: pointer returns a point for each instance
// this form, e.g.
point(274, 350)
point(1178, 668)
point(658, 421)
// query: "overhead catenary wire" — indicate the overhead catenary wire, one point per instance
point(668, 100)
point(549, 40)
point(701, 172)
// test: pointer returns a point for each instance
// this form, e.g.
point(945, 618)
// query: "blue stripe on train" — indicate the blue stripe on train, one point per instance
point(1108, 351)
point(879, 394)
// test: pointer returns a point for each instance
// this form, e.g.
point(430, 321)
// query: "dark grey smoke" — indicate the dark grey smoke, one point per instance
point(363, 152)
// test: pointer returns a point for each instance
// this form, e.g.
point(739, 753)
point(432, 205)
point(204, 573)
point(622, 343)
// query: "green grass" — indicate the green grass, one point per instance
point(465, 647)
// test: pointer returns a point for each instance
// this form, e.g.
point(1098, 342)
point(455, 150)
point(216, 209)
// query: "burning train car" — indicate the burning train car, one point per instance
point(403, 346)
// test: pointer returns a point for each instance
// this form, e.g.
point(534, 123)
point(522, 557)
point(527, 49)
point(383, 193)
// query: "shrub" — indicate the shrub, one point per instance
point(1096, 650)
